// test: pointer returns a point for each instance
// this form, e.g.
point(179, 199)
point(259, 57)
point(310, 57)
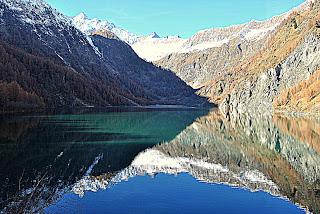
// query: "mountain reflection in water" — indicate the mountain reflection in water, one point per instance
point(45, 158)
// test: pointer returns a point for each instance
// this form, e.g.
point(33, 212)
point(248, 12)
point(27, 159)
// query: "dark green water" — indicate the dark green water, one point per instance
point(155, 160)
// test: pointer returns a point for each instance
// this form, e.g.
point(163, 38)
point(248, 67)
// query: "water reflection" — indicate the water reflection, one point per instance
point(250, 152)
point(255, 146)
point(43, 156)
point(278, 155)
point(53, 155)
point(302, 129)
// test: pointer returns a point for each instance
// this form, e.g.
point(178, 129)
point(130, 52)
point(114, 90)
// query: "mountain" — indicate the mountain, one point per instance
point(50, 59)
point(289, 58)
point(191, 59)
point(272, 67)
point(257, 66)
point(215, 51)
point(154, 48)
point(172, 48)
point(91, 26)
point(150, 47)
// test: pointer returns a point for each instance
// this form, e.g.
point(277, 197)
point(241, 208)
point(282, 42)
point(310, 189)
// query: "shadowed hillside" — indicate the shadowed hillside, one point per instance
point(44, 53)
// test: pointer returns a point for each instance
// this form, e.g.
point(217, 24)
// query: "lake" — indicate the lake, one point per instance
point(165, 160)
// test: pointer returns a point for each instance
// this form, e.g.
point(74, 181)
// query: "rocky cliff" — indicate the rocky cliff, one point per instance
point(199, 67)
point(258, 71)
point(291, 56)
point(214, 52)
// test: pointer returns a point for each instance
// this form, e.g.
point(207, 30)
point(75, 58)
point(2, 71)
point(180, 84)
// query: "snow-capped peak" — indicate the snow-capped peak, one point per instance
point(152, 47)
point(80, 17)
point(29, 11)
point(90, 26)
point(46, 21)
point(154, 35)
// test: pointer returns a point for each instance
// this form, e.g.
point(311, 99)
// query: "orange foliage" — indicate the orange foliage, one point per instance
point(302, 97)
point(13, 95)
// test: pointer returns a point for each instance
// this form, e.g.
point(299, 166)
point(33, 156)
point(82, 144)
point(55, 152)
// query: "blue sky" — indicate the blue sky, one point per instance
point(175, 17)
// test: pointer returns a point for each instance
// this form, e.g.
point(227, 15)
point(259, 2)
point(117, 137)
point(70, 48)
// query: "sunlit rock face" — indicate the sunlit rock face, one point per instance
point(256, 92)
point(290, 57)
point(214, 53)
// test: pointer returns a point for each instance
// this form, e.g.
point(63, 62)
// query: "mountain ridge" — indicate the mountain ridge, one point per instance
point(156, 48)
point(37, 29)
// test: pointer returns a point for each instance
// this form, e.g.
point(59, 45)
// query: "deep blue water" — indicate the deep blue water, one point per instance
point(173, 194)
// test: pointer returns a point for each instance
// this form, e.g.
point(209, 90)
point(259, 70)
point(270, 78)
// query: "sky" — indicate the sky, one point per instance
point(174, 17)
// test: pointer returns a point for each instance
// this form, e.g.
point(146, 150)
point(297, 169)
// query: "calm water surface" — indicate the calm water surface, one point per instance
point(158, 161)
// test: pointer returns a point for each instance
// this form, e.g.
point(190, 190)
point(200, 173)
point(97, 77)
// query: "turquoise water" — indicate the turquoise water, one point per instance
point(135, 160)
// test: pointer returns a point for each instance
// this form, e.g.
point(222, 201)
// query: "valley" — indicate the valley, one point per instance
point(241, 68)
point(95, 118)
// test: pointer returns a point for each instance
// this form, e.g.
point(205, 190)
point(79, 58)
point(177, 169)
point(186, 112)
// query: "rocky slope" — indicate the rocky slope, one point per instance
point(153, 47)
point(260, 72)
point(291, 56)
point(216, 51)
point(44, 39)
point(197, 68)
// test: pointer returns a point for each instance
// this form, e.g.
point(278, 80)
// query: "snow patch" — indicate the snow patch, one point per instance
point(257, 34)
point(96, 50)
point(153, 49)
point(205, 45)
